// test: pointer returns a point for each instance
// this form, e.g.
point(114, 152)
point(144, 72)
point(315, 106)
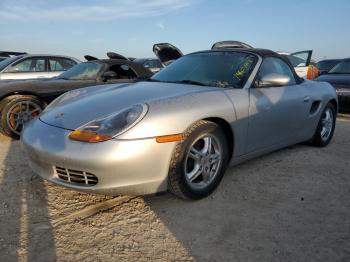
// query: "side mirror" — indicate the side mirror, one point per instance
point(109, 75)
point(273, 80)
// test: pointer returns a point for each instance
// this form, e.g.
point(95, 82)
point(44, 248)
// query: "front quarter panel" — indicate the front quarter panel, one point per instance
point(175, 115)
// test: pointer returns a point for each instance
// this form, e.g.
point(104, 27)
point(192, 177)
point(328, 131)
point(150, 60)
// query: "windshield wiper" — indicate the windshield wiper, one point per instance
point(190, 82)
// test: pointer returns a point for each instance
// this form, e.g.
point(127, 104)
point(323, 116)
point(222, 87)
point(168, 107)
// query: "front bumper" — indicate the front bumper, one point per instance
point(133, 167)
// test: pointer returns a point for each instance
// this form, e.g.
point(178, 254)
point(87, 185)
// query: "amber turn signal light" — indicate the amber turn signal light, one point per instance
point(169, 138)
point(88, 136)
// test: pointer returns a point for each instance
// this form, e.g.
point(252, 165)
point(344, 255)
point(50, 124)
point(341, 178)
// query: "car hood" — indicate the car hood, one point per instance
point(81, 106)
point(336, 79)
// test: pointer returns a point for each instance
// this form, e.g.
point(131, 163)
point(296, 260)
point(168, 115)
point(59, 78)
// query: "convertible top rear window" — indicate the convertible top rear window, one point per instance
point(219, 69)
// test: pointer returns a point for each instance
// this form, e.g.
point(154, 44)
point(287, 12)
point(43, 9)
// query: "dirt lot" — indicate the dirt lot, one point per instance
point(291, 205)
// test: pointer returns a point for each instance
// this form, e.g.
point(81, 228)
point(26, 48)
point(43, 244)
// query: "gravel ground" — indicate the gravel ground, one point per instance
point(291, 205)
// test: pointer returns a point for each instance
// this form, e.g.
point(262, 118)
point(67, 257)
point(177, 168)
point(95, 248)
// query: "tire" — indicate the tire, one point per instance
point(325, 128)
point(14, 111)
point(196, 179)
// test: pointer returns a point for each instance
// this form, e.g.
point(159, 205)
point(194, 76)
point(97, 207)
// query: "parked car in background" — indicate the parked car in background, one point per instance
point(166, 53)
point(324, 66)
point(179, 130)
point(151, 63)
point(23, 100)
point(35, 66)
point(6, 54)
point(304, 66)
point(339, 77)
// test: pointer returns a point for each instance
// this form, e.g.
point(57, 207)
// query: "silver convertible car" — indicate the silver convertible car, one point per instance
point(181, 128)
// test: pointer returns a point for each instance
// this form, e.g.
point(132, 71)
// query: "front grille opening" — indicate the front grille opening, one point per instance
point(75, 176)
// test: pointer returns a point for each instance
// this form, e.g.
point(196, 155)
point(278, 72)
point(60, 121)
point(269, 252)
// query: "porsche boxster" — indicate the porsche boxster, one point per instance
point(181, 128)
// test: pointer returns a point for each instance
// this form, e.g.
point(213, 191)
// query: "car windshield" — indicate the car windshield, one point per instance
point(219, 69)
point(341, 68)
point(83, 71)
point(8, 61)
point(327, 64)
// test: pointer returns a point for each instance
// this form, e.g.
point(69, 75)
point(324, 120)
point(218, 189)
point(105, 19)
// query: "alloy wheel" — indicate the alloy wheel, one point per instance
point(21, 113)
point(203, 161)
point(327, 124)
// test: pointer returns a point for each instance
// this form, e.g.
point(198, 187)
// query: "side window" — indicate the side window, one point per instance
point(29, 65)
point(273, 65)
point(123, 71)
point(60, 64)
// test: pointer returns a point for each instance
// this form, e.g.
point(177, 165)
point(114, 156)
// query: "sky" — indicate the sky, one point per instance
point(131, 27)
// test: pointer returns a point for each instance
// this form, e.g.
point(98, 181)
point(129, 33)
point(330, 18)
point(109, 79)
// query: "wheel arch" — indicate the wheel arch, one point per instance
point(18, 93)
point(226, 127)
point(335, 104)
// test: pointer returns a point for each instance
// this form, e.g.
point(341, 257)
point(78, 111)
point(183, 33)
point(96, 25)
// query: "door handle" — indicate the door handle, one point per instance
point(306, 99)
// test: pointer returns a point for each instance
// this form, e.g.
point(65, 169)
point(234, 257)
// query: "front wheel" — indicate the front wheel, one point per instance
point(325, 127)
point(199, 162)
point(16, 111)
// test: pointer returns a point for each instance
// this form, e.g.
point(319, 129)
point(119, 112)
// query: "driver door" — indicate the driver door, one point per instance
point(276, 113)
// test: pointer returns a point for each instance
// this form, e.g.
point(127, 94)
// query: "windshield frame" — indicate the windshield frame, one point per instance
point(245, 80)
point(98, 74)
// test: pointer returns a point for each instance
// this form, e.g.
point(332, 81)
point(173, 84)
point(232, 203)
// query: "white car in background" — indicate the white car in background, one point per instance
point(302, 63)
point(35, 66)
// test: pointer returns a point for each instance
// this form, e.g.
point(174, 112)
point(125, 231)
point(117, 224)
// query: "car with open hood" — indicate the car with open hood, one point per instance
point(153, 64)
point(180, 129)
point(23, 100)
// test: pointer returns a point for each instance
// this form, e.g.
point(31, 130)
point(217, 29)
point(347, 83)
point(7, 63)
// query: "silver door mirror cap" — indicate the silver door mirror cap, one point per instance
point(273, 80)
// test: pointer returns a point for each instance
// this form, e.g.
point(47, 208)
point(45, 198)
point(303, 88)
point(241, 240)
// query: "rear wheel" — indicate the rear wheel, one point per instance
point(199, 162)
point(16, 111)
point(325, 127)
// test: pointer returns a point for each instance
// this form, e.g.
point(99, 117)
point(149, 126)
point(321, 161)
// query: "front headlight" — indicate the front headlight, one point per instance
point(106, 128)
